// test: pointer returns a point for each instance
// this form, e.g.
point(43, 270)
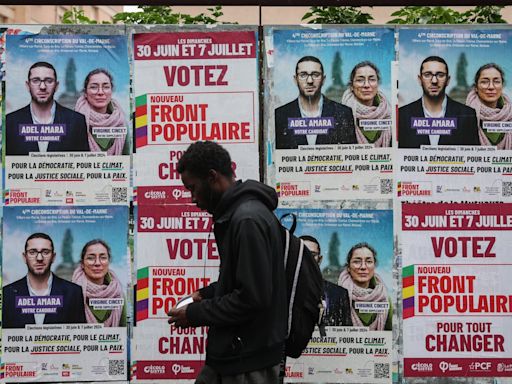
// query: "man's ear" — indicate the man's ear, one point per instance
point(212, 177)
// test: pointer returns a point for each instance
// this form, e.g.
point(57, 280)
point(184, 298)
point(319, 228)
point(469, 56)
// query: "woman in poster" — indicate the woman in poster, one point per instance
point(98, 281)
point(368, 103)
point(102, 111)
point(366, 286)
point(491, 104)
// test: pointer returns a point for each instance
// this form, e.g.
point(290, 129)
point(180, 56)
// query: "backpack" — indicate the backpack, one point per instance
point(304, 288)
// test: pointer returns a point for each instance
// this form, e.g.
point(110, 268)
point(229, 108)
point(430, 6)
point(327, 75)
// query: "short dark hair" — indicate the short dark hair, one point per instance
point(42, 64)
point(434, 58)
point(362, 64)
point(358, 246)
point(95, 72)
point(202, 156)
point(488, 66)
point(93, 242)
point(309, 58)
point(312, 239)
point(39, 235)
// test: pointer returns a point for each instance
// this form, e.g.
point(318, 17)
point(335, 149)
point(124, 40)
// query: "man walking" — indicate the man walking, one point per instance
point(246, 309)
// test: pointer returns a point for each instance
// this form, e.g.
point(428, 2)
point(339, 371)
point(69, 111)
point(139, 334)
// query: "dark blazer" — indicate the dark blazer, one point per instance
point(338, 305)
point(465, 134)
point(344, 132)
point(72, 310)
point(75, 139)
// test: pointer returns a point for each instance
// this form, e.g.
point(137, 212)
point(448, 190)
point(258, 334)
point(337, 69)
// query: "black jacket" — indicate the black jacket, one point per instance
point(343, 133)
point(246, 308)
point(337, 311)
point(465, 134)
point(72, 310)
point(75, 138)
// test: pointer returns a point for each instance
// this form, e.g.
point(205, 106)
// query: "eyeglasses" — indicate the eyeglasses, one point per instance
point(103, 259)
point(314, 75)
point(486, 83)
point(94, 88)
point(358, 263)
point(36, 81)
point(430, 75)
point(33, 253)
point(360, 81)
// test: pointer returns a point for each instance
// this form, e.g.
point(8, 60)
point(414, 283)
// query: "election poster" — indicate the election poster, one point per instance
point(328, 112)
point(455, 114)
point(354, 249)
point(67, 124)
point(65, 281)
point(176, 255)
point(192, 86)
point(456, 300)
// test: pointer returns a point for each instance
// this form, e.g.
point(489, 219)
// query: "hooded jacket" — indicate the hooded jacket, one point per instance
point(246, 308)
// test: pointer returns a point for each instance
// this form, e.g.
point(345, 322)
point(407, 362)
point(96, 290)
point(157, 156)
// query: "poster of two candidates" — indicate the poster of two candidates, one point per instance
point(354, 249)
point(67, 137)
point(455, 114)
point(456, 300)
point(64, 293)
point(189, 86)
point(329, 112)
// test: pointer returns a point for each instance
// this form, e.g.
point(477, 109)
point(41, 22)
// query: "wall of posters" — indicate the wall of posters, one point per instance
point(67, 120)
point(456, 147)
point(69, 327)
point(358, 342)
point(329, 112)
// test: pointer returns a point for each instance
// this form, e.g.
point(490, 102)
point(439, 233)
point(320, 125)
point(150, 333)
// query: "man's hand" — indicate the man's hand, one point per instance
point(196, 296)
point(178, 316)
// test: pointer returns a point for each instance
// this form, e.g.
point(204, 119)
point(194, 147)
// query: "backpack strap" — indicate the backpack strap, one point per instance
point(295, 281)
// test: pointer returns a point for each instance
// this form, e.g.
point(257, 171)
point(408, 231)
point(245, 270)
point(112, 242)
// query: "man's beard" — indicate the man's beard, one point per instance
point(437, 97)
point(43, 103)
point(44, 272)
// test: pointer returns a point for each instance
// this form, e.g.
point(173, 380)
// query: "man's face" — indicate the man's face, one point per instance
point(202, 193)
point(314, 249)
point(309, 79)
point(434, 79)
point(42, 85)
point(39, 256)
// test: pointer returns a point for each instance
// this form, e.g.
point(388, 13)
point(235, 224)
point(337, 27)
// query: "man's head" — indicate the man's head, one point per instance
point(42, 83)
point(309, 77)
point(39, 254)
point(206, 171)
point(434, 77)
point(313, 246)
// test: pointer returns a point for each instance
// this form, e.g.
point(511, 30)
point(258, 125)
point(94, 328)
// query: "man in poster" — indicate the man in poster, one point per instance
point(41, 297)
point(436, 119)
point(44, 125)
point(312, 119)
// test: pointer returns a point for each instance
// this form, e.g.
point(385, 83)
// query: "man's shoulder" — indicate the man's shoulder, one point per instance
point(291, 105)
point(334, 287)
point(67, 111)
point(19, 112)
point(16, 284)
point(328, 103)
point(457, 105)
point(67, 285)
point(414, 105)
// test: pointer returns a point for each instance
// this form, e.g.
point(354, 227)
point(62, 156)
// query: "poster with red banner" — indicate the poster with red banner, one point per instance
point(457, 304)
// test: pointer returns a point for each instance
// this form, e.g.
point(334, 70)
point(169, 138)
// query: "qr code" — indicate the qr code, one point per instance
point(507, 188)
point(119, 194)
point(381, 371)
point(116, 367)
point(386, 186)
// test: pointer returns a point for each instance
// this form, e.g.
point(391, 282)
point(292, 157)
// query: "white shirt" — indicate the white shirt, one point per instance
point(39, 317)
point(434, 139)
point(312, 138)
point(43, 145)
